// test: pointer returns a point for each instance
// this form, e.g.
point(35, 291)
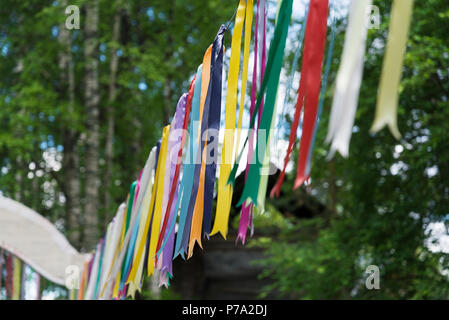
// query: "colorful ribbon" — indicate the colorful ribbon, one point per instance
point(388, 94)
point(224, 196)
point(210, 123)
point(348, 81)
point(270, 82)
point(309, 89)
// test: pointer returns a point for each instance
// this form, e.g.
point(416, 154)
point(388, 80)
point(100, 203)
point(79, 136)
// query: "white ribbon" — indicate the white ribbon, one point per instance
point(349, 79)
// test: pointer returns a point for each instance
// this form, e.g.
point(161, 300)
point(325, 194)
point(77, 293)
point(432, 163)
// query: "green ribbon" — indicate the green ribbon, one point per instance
point(270, 85)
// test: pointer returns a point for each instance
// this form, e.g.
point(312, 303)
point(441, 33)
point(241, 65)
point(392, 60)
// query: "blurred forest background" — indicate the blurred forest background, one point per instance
point(81, 109)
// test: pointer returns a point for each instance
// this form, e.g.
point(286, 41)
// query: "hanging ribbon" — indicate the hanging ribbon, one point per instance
point(9, 276)
point(182, 114)
point(322, 93)
point(170, 168)
point(147, 241)
point(196, 204)
point(348, 81)
point(189, 166)
point(17, 276)
point(311, 94)
point(210, 123)
point(248, 24)
point(158, 205)
point(265, 170)
point(195, 207)
point(94, 274)
point(147, 208)
point(213, 126)
point(262, 29)
point(174, 208)
point(143, 203)
point(130, 212)
point(114, 246)
point(388, 94)
point(107, 259)
point(224, 196)
point(168, 176)
point(247, 209)
point(270, 82)
point(83, 281)
point(309, 87)
point(115, 273)
point(178, 124)
point(293, 70)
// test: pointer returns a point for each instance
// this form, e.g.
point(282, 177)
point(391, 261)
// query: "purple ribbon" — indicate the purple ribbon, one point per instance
point(167, 252)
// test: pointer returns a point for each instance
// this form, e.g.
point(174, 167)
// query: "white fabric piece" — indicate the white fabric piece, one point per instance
point(348, 81)
point(37, 242)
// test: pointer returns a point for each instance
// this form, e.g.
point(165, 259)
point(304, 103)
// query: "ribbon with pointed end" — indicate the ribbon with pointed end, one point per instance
point(348, 81)
point(388, 94)
point(309, 87)
point(211, 123)
point(189, 164)
point(270, 83)
point(246, 210)
point(195, 207)
point(224, 196)
point(158, 205)
point(322, 93)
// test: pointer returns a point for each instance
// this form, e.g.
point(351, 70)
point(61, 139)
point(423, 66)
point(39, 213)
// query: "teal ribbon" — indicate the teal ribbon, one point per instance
point(189, 167)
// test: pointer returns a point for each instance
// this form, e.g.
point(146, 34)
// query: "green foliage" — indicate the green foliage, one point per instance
point(382, 198)
point(387, 191)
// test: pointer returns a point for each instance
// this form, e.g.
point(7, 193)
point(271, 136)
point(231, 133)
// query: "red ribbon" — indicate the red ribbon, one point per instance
point(9, 283)
point(178, 163)
point(308, 91)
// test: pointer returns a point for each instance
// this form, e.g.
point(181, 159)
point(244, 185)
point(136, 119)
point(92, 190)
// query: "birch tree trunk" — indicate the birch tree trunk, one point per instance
point(113, 67)
point(92, 99)
point(70, 162)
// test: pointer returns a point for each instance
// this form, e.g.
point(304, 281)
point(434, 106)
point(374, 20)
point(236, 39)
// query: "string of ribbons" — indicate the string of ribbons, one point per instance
point(170, 207)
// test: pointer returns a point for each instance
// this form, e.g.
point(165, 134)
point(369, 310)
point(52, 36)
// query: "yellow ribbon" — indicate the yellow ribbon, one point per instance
point(248, 24)
point(155, 226)
point(147, 206)
point(225, 190)
point(388, 96)
point(134, 277)
point(17, 275)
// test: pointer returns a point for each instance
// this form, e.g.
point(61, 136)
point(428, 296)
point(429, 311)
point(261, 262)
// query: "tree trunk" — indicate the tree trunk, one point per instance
point(167, 101)
point(92, 98)
point(70, 162)
point(113, 67)
point(168, 105)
